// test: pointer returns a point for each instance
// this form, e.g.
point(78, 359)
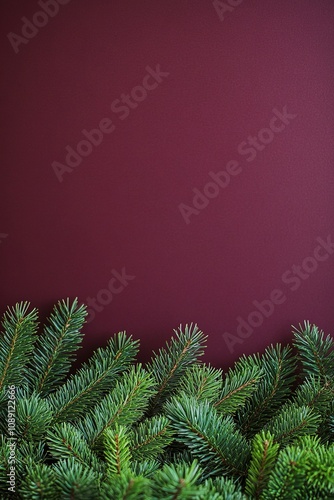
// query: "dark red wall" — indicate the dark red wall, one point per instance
point(225, 73)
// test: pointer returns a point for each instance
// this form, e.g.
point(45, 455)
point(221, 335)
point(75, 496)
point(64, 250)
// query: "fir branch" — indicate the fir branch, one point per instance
point(278, 366)
point(316, 351)
point(264, 454)
point(33, 416)
point(75, 481)
point(56, 347)
point(292, 422)
point(287, 478)
point(320, 479)
point(223, 488)
point(303, 470)
point(126, 486)
point(16, 343)
point(94, 379)
point(316, 394)
point(124, 405)
point(117, 450)
point(196, 424)
point(177, 481)
point(65, 441)
point(171, 363)
point(238, 386)
point(145, 467)
point(39, 483)
point(150, 438)
point(202, 381)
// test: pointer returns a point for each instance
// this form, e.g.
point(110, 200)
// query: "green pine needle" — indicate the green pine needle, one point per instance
point(177, 481)
point(238, 386)
point(39, 483)
point(211, 438)
point(316, 394)
point(171, 363)
point(16, 343)
point(150, 438)
point(75, 481)
point(124, 405)
point(65, 441)
point(33, 416)
point(292, 422)
point(316, 351)
point(126, 486)
point(56, 347)
point(278, 366)
point(202, 381)
point(94, 379)
point(264, 454)
point(117, 450)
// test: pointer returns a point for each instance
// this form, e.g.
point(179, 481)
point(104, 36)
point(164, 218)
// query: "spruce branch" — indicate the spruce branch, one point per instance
point(170, 364)
point(287, 478)
point(16, 343)
point(177, 481)
point(124, 405)
point(56, 347)
point(126, 486)
point(202, 381)
point(315, 393)
point(94, 379)
point(292, 422)
point(238, 386)
point(145, 468)
point(33, 416)
point(39, 483)
point(75, 481)
point(278, 366)
point(264, 454)
point(223, 488)
point(65, 441)
point(303, 470)
point(117, 450)
point(196, 424)
point(150, 438)
point(316, 351)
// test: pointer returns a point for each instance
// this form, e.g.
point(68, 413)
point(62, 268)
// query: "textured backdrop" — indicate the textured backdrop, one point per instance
point(170, 161)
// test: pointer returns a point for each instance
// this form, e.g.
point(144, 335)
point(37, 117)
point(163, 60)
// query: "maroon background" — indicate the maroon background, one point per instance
point(119, 208)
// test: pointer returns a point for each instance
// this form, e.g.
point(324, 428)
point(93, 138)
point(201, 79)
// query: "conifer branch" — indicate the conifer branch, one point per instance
point(124, 405)
point(264, 454)
point(16, 343)
point(150, 438)
point(202, 381)
point(196, 424)
point(83, 389)
point(171, 363)
point(278, 366)
point(316, 351)
point(238, 386)
point(56, 347)
point(117, 450)
point(65, 441)
point(292, 422)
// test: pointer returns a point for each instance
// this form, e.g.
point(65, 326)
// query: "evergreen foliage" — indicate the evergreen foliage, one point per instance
point(175, 428)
